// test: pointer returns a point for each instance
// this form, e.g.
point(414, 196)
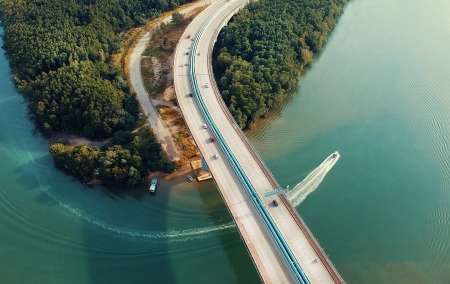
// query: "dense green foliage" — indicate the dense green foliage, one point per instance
point(261, 53)
point(124, 160)
point(58, 52)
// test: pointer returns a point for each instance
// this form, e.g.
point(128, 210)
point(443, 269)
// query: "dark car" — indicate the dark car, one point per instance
point(275, 203)
point(191, 94)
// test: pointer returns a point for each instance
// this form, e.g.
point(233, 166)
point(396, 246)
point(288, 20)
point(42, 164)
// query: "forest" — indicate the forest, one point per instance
point(60, 52)
point(124, 160)
point(60, 55)
point(261, 53)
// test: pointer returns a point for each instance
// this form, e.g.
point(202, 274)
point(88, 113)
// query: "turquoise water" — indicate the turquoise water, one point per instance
point(379, 93)
point(55, 230)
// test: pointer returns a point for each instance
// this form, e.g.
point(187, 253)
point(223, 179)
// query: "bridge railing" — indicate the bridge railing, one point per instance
point(229, 115)
point(276, 234)
point(326, 260)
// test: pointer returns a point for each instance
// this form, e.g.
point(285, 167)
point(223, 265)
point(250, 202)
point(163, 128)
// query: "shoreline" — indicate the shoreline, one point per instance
point(157, 103)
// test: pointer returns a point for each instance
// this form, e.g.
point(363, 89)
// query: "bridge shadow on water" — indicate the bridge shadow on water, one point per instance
point(132, 255)
point(236, 253)
point(120, 235)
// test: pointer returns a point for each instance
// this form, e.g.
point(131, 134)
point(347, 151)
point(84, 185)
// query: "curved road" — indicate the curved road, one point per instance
point(269, 261)
point(156, 123)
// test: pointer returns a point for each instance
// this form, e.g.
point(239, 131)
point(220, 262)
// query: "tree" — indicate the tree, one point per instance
point(262, 51)
point(177, 18)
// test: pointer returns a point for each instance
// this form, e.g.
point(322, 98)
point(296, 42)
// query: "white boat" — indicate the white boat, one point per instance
point(334, 155)
point(153, 184)
point(190, 178)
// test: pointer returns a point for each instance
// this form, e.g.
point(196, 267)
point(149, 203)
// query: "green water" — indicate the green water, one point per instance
point(379, 93)
point(55, 230)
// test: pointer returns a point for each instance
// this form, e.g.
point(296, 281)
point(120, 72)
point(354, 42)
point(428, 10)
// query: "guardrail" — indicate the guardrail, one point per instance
point(257, 203)
point(312, 240)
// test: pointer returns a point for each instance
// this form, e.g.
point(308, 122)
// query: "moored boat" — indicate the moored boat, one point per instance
point(190, 178)
point(153, 184)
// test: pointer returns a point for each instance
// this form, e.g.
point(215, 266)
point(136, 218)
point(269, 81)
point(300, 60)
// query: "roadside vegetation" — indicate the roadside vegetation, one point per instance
point(261, 53)
point(61, 54)
point(157, 69)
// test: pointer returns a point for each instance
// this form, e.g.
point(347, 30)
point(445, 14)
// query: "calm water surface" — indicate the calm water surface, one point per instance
point(379, 93)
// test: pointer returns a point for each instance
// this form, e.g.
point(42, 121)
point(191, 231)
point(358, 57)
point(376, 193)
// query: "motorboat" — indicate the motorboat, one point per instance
point(334, 155)
point(190, 178)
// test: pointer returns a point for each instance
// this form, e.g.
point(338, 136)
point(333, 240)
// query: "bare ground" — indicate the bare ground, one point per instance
point(157, 68)
point(75, 140)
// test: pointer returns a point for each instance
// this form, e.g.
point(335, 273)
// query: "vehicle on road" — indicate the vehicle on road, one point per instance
point(274, 203)
point(187, 53)
point(185, 64)
point(188, 36)
point(206, 85)
point(191, 95)
point(205, 126)
point(216, 156)
point(212, 139)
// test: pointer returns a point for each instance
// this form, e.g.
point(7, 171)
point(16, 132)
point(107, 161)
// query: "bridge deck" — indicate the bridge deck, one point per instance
point(269, 261)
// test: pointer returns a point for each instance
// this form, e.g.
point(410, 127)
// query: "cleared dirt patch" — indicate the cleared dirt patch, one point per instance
point(157, 73)
point(181, 134)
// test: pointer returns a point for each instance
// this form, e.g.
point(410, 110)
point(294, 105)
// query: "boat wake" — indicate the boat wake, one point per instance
point(312, 181)
point(173, 235)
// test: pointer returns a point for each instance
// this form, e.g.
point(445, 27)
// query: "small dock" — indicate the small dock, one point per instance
point(200, 174)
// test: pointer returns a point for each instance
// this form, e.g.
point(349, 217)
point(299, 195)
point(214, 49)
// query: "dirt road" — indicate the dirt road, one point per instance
point(162, 133)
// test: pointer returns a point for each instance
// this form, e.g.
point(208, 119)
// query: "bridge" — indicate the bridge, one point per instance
point(279, 242)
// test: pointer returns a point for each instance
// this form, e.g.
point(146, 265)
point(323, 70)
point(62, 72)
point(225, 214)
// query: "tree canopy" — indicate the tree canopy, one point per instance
point(125, 160)
point(58, 52)
point(263, 50)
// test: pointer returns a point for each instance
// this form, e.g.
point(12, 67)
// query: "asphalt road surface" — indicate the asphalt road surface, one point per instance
point(268, 259)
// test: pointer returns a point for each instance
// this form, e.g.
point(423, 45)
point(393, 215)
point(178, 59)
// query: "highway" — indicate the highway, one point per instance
point(269, 257)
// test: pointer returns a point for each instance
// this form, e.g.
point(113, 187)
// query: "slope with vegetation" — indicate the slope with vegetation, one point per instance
point(261, 53)
point(60, 54)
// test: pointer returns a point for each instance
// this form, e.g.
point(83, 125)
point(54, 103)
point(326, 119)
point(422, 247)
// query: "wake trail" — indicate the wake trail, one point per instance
point(312, 181)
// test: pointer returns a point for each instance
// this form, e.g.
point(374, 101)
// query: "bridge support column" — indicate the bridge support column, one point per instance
point(204, 165)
